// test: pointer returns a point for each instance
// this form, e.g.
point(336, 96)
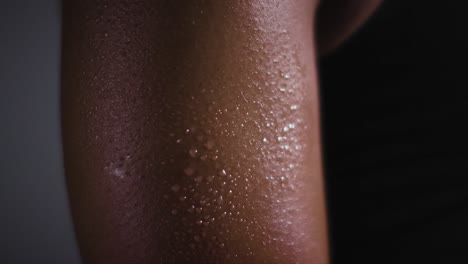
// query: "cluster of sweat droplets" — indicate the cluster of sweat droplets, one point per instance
point(205, 195)
point(208, 197)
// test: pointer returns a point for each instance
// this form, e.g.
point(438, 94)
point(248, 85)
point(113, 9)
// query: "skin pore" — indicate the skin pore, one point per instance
point(191, 131)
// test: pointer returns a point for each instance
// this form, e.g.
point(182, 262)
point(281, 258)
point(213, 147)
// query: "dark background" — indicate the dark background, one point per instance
point(35, 225)
point(395, 118)
point(395, 126)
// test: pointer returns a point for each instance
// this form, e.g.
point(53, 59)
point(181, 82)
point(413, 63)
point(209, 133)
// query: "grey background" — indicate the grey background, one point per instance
point(35, 224)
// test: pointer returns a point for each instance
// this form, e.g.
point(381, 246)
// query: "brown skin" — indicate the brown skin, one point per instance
point(191, 131)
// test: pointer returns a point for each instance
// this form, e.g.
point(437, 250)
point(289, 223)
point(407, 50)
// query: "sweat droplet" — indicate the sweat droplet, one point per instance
point(222, 172)
point(209, 144)
point(220, 200)
point(191, 209)
point(175, 188)
point(189, 171)
point(193, 152)
point(119, 173)
point(199, 179)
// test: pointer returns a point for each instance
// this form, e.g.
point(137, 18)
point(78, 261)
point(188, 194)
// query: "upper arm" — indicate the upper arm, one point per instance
point(191, 131)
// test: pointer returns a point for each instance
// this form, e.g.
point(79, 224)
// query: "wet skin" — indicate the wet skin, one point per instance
point(191, 131)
